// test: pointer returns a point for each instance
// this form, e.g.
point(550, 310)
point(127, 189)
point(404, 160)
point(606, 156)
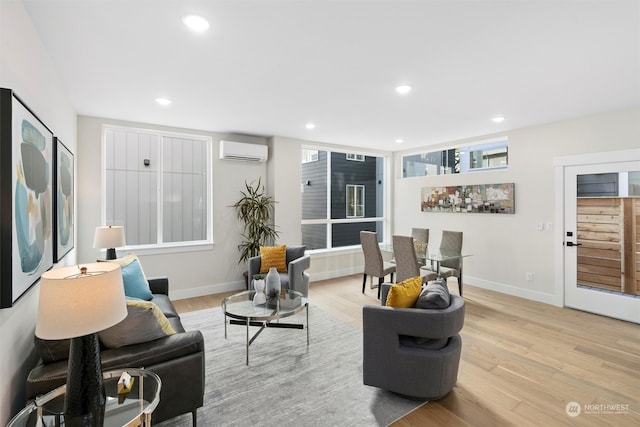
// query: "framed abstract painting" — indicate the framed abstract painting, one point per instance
point(26, 197)
point(63, 200)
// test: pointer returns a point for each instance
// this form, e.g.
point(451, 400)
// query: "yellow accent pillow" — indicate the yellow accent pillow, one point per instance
point(405, 294)
point(273, 256)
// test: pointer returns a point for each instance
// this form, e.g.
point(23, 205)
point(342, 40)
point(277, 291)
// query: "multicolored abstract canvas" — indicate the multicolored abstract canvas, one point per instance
point(480, 198)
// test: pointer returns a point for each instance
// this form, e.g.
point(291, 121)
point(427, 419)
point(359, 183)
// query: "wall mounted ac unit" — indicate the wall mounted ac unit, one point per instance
point(230, 150)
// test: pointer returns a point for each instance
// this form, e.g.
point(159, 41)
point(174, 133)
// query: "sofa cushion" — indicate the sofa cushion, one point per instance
point(133, 278)
point(144, 322)
point(434, 295)
point(405, 293)
point(273, 256)
point(165, 305)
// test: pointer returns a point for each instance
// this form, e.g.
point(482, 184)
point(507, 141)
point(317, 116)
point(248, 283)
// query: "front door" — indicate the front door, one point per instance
point(602, 239)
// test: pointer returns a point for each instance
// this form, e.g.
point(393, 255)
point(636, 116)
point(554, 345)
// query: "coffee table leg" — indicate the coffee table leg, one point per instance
point(307, 310)
point(248, 321)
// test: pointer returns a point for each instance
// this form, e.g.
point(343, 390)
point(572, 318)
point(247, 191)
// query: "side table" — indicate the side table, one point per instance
point(134, 410)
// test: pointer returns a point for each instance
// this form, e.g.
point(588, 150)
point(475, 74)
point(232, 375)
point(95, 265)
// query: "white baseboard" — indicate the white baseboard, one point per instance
point(324, 275)
point(207, 290)
point(512, 290)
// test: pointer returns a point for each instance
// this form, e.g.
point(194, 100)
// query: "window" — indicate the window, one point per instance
point(309, 156)
point(355, 201)
point(355, 157)
point(156, 186)
point(340, 198)
point(486, 155)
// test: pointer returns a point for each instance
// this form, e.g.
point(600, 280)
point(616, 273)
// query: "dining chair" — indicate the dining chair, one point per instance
point(407, 265)
point(451, 243)
point(420, 234)
point(374, 265)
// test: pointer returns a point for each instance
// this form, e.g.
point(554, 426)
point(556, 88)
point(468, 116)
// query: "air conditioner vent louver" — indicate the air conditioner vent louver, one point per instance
point(230, 150)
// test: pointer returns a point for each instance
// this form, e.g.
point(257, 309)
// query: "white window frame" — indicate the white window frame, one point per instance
point(355, 157)
point(358, 196)
point(311, 155)
point(328, 221)
point(164, 247)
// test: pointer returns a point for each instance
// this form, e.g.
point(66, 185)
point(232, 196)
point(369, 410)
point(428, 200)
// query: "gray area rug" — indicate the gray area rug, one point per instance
point(286, 382)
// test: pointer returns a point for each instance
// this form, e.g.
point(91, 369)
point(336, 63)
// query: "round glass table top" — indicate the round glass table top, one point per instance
point(130, 409)
point(241, 306)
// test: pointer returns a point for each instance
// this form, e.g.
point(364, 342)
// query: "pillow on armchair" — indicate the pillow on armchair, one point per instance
point(273, 256)
point(434, 295)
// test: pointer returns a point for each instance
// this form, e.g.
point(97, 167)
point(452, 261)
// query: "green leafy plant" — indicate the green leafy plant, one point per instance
point(255, 209)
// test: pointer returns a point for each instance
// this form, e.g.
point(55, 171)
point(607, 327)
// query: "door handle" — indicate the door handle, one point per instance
point(573, 244)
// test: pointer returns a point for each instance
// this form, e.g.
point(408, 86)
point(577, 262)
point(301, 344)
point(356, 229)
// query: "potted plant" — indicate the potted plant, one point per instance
point(254, 209)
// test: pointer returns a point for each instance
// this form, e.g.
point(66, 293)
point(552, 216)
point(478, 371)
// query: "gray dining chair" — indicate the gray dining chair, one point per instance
point(451, 243)
point(407, 265)
point(420, 234)
point(374, 264)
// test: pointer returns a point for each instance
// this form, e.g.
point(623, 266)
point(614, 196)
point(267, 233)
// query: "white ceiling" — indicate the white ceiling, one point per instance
point(267, 67)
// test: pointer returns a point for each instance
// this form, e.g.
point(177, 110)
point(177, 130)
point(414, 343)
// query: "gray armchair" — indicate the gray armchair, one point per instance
point(295, 278)
point(414, 352)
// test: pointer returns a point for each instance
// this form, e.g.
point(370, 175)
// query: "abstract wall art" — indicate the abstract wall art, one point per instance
point(479, 198)
point(63, 201)
point(26, 198)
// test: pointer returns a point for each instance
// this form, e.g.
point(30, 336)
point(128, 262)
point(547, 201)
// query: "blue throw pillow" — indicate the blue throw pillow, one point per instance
point(135, 284)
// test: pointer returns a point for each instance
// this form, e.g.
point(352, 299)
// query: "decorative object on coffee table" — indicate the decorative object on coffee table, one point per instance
point(76, 302)
point(273, 284)
point(259, 285)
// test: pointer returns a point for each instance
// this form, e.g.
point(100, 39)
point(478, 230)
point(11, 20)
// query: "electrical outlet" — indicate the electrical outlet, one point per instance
point(539, 226)
point(529, 277)
point(548, 226)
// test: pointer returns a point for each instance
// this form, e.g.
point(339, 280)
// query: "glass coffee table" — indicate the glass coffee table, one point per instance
point(130, 410)
point(242, 311)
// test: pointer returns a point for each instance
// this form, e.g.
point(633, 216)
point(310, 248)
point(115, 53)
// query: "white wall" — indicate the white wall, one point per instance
point(26, 68)
point(506, 247)
point(190, 273)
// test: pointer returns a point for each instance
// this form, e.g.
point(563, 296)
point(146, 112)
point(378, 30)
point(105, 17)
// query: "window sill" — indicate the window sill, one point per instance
point(166, 249)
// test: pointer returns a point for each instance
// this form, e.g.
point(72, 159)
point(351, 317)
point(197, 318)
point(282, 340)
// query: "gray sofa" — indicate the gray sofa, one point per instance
point(414, 352)
point(177, 359)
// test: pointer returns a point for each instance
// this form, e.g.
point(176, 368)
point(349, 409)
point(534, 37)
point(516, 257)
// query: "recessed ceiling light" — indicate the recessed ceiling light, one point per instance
point(498, 119)
point(163, 101)
point(403, 89)
point(310, 126)
point(195, 22)
point(399, 141)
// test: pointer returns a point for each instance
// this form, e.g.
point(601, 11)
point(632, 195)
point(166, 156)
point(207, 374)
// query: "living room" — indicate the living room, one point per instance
point(504, 247)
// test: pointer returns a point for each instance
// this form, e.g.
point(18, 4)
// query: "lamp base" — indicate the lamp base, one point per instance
point(84, 398)
point(111, 253)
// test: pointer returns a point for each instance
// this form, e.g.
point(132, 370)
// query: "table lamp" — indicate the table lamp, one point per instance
point(109, 237)
point(76, 302)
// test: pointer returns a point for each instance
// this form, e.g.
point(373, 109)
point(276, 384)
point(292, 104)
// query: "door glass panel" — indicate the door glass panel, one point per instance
point(608, 212)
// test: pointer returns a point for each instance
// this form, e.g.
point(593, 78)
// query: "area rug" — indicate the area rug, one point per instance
point(286, 382)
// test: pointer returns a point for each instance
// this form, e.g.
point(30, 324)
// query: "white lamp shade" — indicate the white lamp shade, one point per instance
point(109, 237)
point(74, 305)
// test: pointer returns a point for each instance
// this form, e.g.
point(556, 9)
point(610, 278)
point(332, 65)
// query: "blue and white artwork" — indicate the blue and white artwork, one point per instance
point(32, 236)
point(64, 200)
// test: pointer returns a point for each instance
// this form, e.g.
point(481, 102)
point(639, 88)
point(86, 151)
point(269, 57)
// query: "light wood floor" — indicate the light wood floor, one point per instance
point(522, 361)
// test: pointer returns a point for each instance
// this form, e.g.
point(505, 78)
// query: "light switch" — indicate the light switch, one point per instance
point(539, 226)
